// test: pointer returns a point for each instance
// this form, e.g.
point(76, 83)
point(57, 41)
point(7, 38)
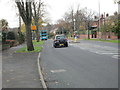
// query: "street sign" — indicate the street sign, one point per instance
point(33, 27)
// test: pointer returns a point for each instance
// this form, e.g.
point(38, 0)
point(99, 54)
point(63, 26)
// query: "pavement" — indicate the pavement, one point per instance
point(88, 64)
point(19, 70)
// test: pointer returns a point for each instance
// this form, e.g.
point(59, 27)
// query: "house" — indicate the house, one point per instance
point(104, 31)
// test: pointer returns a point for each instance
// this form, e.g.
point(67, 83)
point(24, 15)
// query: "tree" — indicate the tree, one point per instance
point(4, 28)
point(11, 35)
point(116, 29)
point(118, 2)
point(69, 20)
point(81, 18)
point(3, 25)
point(23, 30)
point(38, 13)
point(117, 25)
point(25, 10)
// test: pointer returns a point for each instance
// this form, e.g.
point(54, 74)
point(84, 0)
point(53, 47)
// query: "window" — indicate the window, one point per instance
point(43, 32)
point(60, 37)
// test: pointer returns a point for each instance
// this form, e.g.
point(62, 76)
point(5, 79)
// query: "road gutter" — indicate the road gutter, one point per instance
point(40, 73)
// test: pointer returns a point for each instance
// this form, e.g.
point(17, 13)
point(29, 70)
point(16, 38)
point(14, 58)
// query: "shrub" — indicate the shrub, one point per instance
point(4, 34)
point(11, 35)
point(21, 38)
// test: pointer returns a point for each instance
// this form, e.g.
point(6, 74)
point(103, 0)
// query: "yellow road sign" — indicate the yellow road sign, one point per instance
point(33, 27)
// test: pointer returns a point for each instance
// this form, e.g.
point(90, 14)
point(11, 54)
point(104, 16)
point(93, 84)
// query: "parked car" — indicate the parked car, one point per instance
point(60, 41)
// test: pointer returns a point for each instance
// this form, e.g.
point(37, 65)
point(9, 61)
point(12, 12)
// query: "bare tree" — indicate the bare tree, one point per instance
point(80, 18)
point(38, 13)
point(3, 25)
point(25, 10)
point(69, 19)
point(89, 18)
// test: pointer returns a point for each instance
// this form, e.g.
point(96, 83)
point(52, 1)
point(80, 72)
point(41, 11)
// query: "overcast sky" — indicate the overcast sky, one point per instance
point(56, 8)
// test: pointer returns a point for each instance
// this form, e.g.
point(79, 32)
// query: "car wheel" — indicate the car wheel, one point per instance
point(54, 46)
point(66, 45)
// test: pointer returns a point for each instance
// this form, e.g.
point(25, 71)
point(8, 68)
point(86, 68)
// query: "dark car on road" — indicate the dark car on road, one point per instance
point(60, 41)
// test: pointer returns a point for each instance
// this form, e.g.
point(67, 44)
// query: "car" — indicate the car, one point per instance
point(60, 41)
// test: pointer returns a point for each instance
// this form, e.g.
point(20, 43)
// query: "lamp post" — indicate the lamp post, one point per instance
point(99, 20)
point(87, 21)
point(118, 9)
point(88, 30)
point(105, 25)
point(74, 24)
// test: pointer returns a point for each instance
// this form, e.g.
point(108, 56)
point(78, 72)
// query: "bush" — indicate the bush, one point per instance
point(11, 38)
point(11, 35)
point(4, 34)
point(116, 29)
point(21, 38)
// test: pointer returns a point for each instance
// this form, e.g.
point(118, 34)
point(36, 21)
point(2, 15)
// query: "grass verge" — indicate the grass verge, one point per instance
point(38, 43)
point(112, 41)
point(36, 48)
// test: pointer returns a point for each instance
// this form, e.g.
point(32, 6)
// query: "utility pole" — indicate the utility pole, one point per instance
point(99, 20)
point(88, 30)
point(104, 25)
point(74, 24)
point(118, 9)
point(62, 30)
point(87, 24)
point(72, 21)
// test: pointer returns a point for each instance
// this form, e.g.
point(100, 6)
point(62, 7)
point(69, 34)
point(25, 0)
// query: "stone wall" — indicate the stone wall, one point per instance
point(112, 37)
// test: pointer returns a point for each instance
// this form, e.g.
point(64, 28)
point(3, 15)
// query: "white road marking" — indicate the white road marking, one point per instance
point(58, 71)
point(107, 53)
point(97, 49)
point(116, 56)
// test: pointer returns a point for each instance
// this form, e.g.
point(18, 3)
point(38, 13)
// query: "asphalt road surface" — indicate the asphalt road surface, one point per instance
point(87, 64)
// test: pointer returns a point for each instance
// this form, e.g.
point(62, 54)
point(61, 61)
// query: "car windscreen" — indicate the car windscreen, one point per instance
point(43, 32)
point(60, 37)
point(43, 35)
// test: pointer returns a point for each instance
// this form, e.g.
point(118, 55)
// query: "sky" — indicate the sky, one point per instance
point(56, 8)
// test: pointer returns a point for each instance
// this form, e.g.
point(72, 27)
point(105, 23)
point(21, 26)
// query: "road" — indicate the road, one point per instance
point(88, 64)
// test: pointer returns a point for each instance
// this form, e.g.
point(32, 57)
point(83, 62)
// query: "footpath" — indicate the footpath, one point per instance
point(20, 70)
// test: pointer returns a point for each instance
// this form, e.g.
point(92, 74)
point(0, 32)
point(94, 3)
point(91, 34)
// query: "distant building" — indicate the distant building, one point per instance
point(105, 21)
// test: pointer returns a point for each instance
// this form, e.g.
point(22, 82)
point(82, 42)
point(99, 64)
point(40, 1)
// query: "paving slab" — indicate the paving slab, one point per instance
point(19, 70)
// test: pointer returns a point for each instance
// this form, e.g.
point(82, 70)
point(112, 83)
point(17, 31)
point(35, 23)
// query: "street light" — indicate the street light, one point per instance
point(99, 19)
point(118, 9)
point(87, 23)
point(74, 24)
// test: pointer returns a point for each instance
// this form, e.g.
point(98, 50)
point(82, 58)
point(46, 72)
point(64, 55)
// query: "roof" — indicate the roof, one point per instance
point(59, 35)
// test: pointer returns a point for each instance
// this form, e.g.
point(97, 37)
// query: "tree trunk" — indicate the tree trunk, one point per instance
point(29, 37)
point(37, 34)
